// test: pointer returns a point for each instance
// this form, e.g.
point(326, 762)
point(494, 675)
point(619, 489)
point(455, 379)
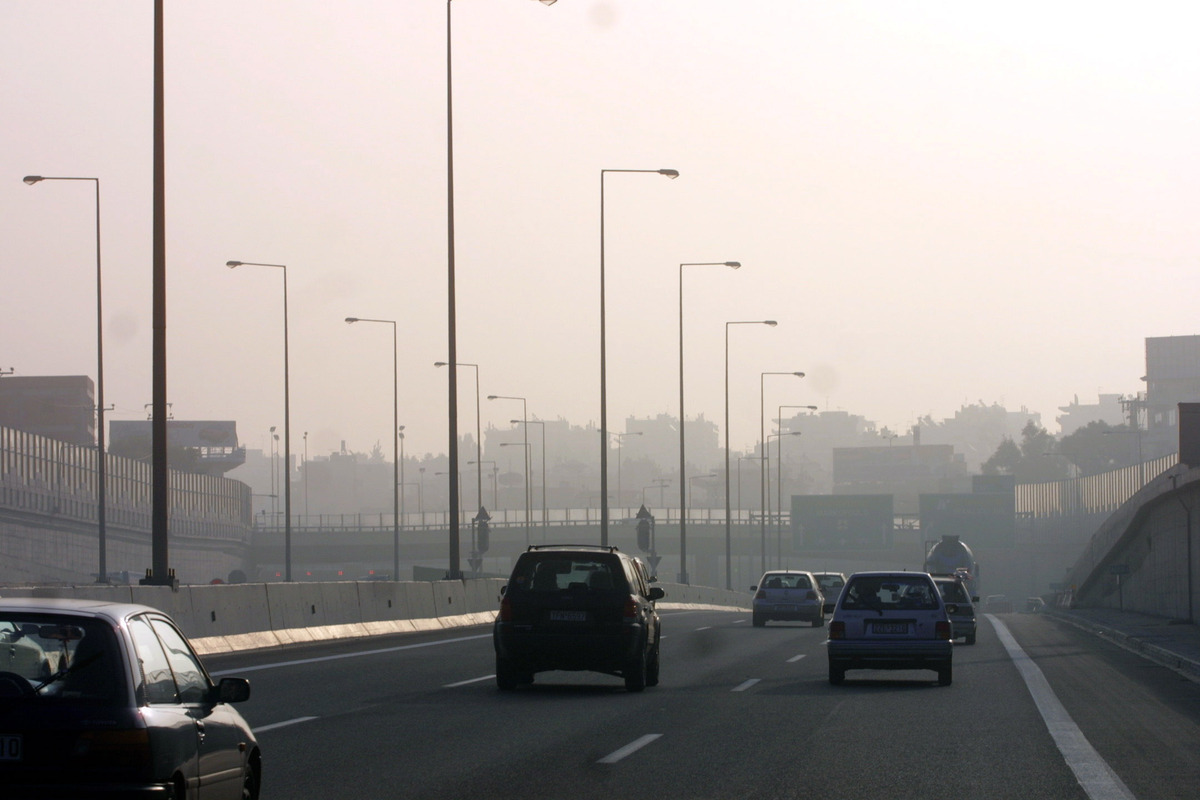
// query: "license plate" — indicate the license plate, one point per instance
point(568, 616)
point(785, 608)
point(10, 748)
point(890, 627)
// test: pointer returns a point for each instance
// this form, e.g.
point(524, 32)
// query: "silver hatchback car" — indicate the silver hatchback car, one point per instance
point(786, 594)
point(105, 699)
point(890, 620)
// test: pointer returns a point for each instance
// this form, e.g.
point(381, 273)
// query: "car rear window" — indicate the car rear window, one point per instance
point(891, 592)
point(786, 581)
point(953, 592)
point(553, 572)
point(60, 656)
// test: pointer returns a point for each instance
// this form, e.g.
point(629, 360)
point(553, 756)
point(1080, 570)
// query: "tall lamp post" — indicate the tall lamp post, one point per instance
point(287, 423)
point(762, 433)
point(620, 439)
point(683, 578)
point(528, 523)
point(728, 511)
point(478, 431)
point(543, 424)
point(672, 174)
point(101, 466)
point(395, 442)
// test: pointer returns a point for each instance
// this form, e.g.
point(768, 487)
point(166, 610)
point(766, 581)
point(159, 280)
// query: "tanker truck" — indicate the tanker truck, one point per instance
point(951, 556)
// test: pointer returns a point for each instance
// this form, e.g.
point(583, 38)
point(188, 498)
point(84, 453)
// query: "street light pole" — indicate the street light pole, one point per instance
point(101, 458)
point(778, 437)
point(672, 174)
point(545, 520)
point(287, 422)
point(525, 439)
point(478, 431)
point(528, 523)
point(728, 511)
point(763, 473)
point(395, 442)
point(683, 578)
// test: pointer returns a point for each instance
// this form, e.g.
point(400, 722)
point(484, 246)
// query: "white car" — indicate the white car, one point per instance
point(890, 620)
point(788, 594)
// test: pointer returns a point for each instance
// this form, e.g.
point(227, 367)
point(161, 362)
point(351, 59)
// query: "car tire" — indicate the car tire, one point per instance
point(652, 668)
point(945, 676)
point(507, 675)
point(635, 672)
point(836, 675)
point(759, 620)
point(970, 638)
point(251, 782)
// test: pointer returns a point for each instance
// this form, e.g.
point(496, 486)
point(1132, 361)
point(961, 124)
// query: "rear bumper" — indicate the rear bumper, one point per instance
point(537, 650)
point(890, 654)
point(792, 612)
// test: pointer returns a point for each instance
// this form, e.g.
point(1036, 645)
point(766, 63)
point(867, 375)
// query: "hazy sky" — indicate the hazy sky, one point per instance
point(942, 203)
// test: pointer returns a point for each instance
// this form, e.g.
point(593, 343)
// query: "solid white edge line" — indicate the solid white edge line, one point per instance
point(741, 687)
point(1091, 770)
point(283, 724)
point(465, 683)
point(629, 749)
point(340, 656)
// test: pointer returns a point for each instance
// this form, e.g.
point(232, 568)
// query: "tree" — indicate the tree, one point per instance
point(1099, 447)
point(1035, 460)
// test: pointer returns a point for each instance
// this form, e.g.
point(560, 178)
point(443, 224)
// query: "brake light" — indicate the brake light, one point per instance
point(837, 629)
point(121, 748)
point(506, 612)
point(630, 613)
point(942, 630)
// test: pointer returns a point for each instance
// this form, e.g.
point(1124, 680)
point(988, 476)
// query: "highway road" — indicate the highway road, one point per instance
point(741, 712)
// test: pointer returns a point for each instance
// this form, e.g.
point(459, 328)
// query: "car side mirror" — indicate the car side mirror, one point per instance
point(656, 593)
point(503, 589)
point(233, 690)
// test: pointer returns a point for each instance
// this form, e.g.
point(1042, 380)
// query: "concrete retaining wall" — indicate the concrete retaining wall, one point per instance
point(229, 618)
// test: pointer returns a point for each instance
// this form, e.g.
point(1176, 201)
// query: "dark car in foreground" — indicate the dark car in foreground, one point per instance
point(578, 607)
point(890, 620)
point(103, 699)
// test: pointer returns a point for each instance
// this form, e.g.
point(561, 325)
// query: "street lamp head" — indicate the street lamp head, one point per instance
point(770, 322)
point(798, 374)
point(233, 264)
point(493, 396)
point(734, 264)
point(548, 2)
point(351, 320)
point(670, 173)
point(442, 364)
point(32, 179)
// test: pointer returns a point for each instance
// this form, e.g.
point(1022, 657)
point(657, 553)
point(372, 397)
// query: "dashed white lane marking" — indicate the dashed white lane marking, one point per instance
point(465, 683)
point(705, 628)
point(741, 687)
point(629, 749)
point(283, 724)
point(1093, 772)
point(794, 659)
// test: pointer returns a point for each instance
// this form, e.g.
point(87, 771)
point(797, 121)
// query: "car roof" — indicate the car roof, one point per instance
point(787, 572)
point(888, 574)
point(105, 609)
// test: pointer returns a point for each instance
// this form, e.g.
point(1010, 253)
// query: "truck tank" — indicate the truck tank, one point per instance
point(950, 556)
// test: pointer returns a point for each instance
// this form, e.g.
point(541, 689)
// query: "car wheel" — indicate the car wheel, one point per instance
point(836, 675)
point(250, 782)
point(652, 668)
point(759, 620)
point(635, 673)
point(507, 676)
point(945, 676)
point(970, 638)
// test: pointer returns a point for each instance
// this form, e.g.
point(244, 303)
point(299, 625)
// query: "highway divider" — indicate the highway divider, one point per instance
point(227, 618)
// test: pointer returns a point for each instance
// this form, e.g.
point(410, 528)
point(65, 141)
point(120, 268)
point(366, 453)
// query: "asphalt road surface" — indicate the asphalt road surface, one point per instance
point(741, 712)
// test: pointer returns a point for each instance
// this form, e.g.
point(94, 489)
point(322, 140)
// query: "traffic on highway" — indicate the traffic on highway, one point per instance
point(1037, 709)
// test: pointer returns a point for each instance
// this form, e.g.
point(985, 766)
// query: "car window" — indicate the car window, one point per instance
point(189, 675)
point(553, 572)
point(61, 656)
point(891, 592)
point(953, 592)
point(830, 582)
point(156, 670)
point(786, 581)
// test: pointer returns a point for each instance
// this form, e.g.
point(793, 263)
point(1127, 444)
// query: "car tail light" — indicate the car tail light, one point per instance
point(506, 612)
point(837, 629)
point(942, 631)
point(760, 595)
point(630, 613)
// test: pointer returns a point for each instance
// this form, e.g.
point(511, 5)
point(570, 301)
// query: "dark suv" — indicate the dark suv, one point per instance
point(577, 607)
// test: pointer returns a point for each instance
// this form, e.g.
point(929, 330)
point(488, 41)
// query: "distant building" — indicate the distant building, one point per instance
point(1079, 415)
point(975, 431)
point(61, 407)
point(906, 472)
point(1172, 377)
point(208, 447)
